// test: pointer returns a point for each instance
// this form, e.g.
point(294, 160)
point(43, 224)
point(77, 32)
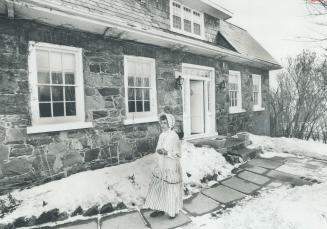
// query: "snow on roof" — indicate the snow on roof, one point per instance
point(244, 43)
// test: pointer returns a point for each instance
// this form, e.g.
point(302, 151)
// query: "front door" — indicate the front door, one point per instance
point(198, 101)
point(197, 106)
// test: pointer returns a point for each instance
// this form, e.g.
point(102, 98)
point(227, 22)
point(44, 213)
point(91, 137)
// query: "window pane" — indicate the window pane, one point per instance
point(44, 93)
point(68, 62)
point(187, 25)
point(139, 106)
point(146, 82)
point(131, 106)
point(70, 93)
point(146, 94)
point(131, 80)
point(42, 59)
point(43, 77)
point(55, 61)
point(177, 22)
point(255, 98)
point(45, 110)
point(233, 86)
point(146, 105)
point(139, 82)
point(197, 28)
point(57, 94)
point(138, 94)
point(58, 109)
point(131, 68)
point(56, 77)
point(131, 94)
point(69, 78)
point(70, 109)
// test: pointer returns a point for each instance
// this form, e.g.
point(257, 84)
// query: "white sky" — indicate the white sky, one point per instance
point(279, 25)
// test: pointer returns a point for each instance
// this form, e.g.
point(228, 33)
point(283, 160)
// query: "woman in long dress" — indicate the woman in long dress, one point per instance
point(165, 193)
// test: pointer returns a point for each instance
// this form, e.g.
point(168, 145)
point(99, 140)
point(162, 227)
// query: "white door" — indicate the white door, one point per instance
point(197, 106)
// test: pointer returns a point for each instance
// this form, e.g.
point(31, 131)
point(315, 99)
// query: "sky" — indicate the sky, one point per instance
point(282, 27)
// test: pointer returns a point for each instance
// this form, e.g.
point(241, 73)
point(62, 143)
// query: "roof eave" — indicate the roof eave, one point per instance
point(55, 15)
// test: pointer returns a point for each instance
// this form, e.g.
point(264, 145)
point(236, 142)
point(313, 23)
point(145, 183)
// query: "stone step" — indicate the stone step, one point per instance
point(244, 154)
point(223, 194)
point(123, 221)
point(216, 143)
point(241, 185)
point(200, 204)
point(163, 222)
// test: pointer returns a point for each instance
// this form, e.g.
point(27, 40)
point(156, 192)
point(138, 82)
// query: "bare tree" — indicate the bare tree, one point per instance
point(300, 102)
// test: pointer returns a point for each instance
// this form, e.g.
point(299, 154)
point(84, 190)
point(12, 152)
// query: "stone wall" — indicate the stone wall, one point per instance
point(31, 156)
point(252, 121)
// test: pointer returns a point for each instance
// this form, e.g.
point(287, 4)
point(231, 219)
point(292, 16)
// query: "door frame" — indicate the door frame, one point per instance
point(209, 106)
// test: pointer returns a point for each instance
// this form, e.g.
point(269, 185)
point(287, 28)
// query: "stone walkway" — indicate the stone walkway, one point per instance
point(248, 180)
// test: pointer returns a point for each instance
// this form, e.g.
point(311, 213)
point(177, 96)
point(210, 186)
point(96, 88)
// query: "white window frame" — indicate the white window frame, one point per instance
point(182, 31)
point(141, 117)
point(257, 107)
point(238, 108)
point(49, 124)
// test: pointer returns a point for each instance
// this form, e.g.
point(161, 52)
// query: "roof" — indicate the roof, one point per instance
point(244, 43)
point(132, 14)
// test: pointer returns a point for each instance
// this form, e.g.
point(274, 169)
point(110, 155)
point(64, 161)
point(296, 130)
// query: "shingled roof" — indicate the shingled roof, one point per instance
point(133, 13)
point(129, 12)
point(244, 43)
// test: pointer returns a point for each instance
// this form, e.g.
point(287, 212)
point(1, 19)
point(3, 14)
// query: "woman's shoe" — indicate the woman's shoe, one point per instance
point(157, 213)
point(172, 217)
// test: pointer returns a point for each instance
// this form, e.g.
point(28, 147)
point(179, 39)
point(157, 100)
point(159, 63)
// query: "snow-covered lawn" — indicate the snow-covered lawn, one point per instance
point(286, 146)
point(127, 183)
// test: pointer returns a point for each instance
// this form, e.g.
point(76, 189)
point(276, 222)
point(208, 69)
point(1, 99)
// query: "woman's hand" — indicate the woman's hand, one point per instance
point(162, 151)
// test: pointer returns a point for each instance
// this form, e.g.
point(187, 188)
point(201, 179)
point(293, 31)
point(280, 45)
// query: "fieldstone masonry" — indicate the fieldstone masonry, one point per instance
point(109, 142)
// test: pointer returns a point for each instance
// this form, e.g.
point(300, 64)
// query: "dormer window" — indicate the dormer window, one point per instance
point(186, 20)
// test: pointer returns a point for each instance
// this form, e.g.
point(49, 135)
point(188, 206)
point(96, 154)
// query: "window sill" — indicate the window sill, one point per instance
point(259, 109)
point(58, 127)
point(141, 120)
point(236, 111)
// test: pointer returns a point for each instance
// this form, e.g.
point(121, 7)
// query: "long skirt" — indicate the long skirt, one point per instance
point(166, 188)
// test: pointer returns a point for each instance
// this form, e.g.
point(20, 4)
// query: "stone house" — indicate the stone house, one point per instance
point(82, 82)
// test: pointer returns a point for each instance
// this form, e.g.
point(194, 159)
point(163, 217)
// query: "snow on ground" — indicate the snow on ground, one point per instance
point(282, 208)
point(199, 162)
point(306, 167)
point(126, 182)
point(285, 146)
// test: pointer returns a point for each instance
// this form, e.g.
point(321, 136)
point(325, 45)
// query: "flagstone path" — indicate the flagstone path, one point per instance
point(251, 177)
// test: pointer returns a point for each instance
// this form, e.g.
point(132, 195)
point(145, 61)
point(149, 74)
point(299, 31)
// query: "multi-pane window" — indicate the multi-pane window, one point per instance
point(255, 94)
point(235, 93)
point(197, 23)
point(177, 16)
point(56, 83)
point(57, 90)
point(186, 20)
point(257, 100)
point(140, 87)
